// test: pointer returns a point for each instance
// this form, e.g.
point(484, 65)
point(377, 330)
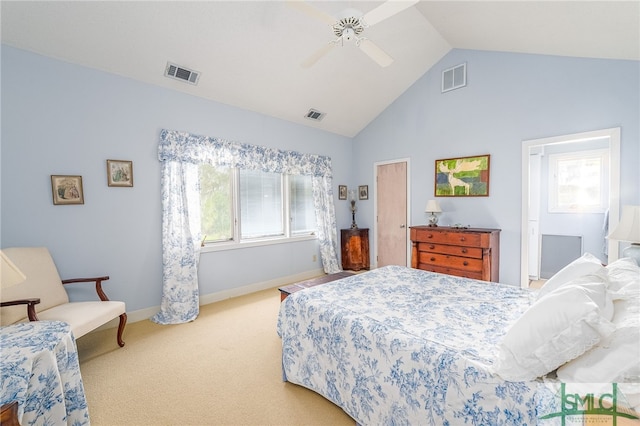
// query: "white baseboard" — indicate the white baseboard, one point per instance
point(146, 313)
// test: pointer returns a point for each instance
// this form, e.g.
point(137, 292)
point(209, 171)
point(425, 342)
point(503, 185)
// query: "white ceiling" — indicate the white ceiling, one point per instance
point(249, 53)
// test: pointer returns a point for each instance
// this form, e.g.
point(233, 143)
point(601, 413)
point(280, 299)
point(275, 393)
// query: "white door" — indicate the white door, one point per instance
point(391, 210)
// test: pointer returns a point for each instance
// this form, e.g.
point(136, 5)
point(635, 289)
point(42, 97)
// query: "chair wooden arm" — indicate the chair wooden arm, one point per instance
point(31, 306)
point(104, 298)
point(97, 280)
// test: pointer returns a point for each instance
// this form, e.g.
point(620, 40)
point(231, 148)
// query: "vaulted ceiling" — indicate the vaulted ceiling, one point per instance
point(249, 53)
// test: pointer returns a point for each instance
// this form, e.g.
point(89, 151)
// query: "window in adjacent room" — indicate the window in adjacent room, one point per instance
point(249, 205)
point(577, 182)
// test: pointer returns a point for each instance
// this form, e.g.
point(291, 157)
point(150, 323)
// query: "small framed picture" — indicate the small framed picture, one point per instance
point(363, 192)
point(342, 192)
point(67, 189)
point(119, 173)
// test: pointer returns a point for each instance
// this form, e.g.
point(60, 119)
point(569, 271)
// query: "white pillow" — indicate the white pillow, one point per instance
point(624, 278)
point(555, 329)
point(584, 265)
point(616, 359)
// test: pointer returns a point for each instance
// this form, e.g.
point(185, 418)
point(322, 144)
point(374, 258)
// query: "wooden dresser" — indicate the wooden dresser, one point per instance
point(355, 248)
point(471, 253)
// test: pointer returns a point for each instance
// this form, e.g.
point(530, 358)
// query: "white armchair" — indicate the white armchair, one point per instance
point(45, 298)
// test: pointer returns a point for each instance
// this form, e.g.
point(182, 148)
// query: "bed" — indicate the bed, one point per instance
point(398, 345)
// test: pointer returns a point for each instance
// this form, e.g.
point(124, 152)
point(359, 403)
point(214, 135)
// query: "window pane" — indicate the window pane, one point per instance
point(579, 183)
point(216, 203)
point(577, 180)
point(260, 204)
point(303, 215)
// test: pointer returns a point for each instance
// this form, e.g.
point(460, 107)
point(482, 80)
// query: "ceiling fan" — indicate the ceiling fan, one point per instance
point(350, 25)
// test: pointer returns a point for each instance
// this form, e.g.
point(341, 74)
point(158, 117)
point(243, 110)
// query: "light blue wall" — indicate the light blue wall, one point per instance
point(508, 98)
point(59, 118)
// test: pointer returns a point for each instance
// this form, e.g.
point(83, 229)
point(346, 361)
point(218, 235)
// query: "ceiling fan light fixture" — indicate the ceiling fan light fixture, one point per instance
point(348, 34)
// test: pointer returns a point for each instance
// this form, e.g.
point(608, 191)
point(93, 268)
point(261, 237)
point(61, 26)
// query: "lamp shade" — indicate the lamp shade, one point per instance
point(10, 275)
point(628, 228)
point(433, 207)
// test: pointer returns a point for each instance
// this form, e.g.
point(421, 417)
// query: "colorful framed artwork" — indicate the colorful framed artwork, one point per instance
point(462, 177)
point(363, 192)
point(119, 173)
point(342, 192)
point(67, 189)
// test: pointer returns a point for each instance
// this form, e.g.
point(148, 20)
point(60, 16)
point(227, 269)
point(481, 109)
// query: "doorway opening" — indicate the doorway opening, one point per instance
point(545, 214)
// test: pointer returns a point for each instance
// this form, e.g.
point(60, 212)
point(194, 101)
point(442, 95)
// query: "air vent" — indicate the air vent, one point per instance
point(315, 115)
point(454, 78)
point(181, 73)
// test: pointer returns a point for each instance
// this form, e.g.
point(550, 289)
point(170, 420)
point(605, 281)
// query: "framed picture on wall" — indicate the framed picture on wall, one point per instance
point(363, 192)
point(342, 192)
point(119, 173)
point(67, 189)
point(462, 177)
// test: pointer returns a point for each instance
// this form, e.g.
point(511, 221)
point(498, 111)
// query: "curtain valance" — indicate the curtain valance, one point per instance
point(189, 148)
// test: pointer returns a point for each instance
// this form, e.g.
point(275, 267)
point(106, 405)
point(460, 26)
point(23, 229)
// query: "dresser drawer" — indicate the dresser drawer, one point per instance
point(454, 250)
point(450, 271)
point(455, 262)
point(449, 237)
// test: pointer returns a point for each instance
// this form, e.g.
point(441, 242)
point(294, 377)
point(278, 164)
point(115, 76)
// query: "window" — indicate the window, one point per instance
point(249, 205)
point(303, 214)
point(577, 182)
point(261, 204)
point(216, 203)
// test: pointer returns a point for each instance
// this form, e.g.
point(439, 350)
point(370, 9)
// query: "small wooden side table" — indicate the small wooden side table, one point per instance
point(9, 414)
point(355, 248)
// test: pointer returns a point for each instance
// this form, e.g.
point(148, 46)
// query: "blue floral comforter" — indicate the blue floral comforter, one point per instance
point(403, 346)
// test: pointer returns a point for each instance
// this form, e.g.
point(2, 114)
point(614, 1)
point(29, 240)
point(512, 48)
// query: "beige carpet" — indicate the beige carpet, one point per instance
point(222, 369)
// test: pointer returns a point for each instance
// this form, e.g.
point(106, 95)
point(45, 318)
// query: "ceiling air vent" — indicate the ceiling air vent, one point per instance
point(315, 115)
point(454, 78)
point(181, 73)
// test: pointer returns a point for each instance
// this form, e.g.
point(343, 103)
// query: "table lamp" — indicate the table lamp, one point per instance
point(433, 207)
point(628, 229)
point(352, 200)
point(10, 275)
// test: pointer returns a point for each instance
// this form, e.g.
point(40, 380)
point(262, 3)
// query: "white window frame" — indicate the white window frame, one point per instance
point(237, 242)
point(554, 159)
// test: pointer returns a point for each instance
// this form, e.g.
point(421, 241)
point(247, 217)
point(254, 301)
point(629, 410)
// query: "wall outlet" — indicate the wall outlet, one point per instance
point(315, 258)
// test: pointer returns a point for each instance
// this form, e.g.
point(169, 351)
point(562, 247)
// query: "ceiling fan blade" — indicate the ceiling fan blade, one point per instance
point(387, 10)
point(375, 53)
point(311, 60)
point(313, 12)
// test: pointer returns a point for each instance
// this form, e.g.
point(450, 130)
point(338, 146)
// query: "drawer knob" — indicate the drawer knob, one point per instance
point(465, 263)
point(464, 250)
point(433, 259)
point(431, 247)
point(430, 236)
point(462, 238)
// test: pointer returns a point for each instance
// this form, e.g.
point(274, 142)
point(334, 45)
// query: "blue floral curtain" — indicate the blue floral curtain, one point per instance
point(180, 242)
point(180, 154)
